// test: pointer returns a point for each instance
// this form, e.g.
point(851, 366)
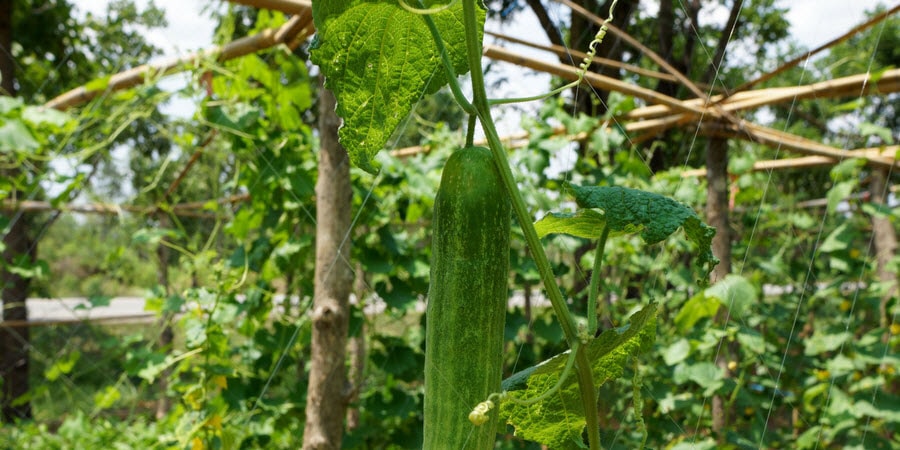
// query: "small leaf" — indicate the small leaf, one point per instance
point(821, 342)
point(655, 216)
point(706, 374)
point(838, 240)
point(107, 397)
point(677, 352)
point(697, 308)
point(585, 223)
point(839, 193)
point(558, 421)
point(62, 366)
point(16, 137)
point(40, 116)
point(98, 84)
point(735, 292)
point(99, 300)
point(871, 129)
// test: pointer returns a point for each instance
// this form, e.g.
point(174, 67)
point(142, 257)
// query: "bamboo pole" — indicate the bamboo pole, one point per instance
point(182, 209)
point(765, 135)
point(792, 63)
point(853, 85)
point(297, 27)
point(578, 56)
point(285, 6)
point(594, 79)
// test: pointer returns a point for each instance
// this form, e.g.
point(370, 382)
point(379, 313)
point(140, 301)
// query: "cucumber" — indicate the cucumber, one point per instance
point(466, 301)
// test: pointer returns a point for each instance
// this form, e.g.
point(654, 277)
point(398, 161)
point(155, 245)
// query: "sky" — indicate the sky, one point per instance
point(814, 22)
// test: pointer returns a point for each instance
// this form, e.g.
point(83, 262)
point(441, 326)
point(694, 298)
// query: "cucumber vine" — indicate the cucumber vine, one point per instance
point(390, 83)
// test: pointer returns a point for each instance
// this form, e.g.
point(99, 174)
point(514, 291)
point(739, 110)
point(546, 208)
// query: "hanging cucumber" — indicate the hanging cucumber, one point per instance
point(466, 301)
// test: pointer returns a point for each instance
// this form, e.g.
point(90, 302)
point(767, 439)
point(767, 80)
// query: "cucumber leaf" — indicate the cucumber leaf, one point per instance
point(628, 211)
point(378, 59)
point(558, 421)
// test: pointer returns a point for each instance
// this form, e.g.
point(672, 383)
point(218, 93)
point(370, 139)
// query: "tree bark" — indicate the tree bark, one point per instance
point(327, 392)
point(717, 216)
point(14, 341)
point(885, 237)
point(724, 39)
point(547, 24)
point(885, 242)
point(165, 338)
point(357, 350)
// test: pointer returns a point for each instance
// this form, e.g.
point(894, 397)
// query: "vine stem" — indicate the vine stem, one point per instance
point(594, 290)
point(567, 322)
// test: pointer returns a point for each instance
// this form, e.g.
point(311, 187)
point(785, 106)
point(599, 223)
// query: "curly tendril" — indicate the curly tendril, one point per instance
point(479, 415)
point(582, 68)
point(598, 39)
point(427, 11)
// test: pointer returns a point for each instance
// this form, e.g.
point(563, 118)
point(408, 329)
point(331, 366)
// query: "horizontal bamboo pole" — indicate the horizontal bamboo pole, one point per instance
point(807, 55)
point(792, 163)
point(112, 320)
point(594, 79)
point(189, 209)
point(579, 56)
point(884, 157)
point(298, 27)
point(853, 85)
point(285, 6)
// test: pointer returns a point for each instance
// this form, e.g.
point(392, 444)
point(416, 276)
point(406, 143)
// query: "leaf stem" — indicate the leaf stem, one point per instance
point(448, 65)
point(570, 362)
point(593, 290)
point(567, 322)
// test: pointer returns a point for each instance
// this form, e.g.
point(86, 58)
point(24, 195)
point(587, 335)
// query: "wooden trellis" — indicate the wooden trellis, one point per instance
point(662, 113)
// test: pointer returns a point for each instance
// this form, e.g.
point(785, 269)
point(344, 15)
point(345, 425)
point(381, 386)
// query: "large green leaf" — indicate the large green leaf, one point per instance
point(558, 421)
point(378, 59)
point(627, 211)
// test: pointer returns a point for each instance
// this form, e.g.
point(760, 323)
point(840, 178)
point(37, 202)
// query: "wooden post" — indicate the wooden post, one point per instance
point(165, 338)
point(717, 216)
point(326, 400)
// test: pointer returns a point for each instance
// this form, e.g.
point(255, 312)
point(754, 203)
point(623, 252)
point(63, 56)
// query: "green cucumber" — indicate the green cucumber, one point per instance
point(466, 301)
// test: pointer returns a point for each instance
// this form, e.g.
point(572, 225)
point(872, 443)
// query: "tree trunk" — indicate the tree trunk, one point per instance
point(717, 216)
point(327, 394)
point(885, 247)
point(357, 352)
point(165, 338)
point(885, 242)
point(14, 341)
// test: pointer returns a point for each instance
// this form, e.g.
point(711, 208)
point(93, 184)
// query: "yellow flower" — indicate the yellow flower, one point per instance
point(220, 381)
point(214, 421)
point(895, 328)
point(197, 444)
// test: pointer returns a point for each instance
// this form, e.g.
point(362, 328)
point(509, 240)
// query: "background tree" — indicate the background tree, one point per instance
point(32, 31)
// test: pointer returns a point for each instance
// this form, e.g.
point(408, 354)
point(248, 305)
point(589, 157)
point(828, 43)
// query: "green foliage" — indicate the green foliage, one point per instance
point(558, 421)
point(379, 59)
point(627, 211)
point(814, 363)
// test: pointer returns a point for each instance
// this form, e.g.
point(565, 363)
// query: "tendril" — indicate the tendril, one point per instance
point(582, 68)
